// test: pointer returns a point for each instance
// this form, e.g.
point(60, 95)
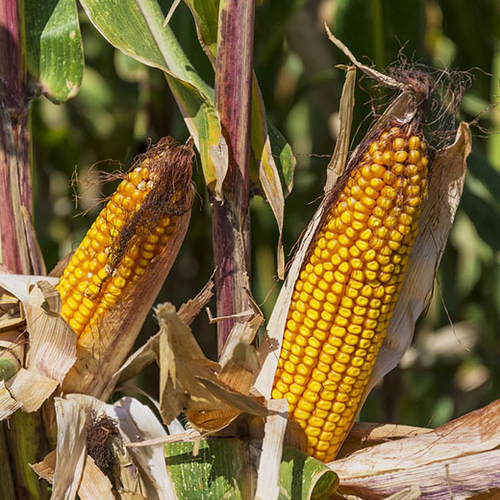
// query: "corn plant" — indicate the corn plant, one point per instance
point(274, 416)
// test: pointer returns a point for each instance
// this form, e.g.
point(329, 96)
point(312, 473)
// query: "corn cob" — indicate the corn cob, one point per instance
point(134, 227)
point(348, 286)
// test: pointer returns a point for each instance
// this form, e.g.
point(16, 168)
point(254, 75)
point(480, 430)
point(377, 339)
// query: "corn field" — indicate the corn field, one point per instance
point(248, 249)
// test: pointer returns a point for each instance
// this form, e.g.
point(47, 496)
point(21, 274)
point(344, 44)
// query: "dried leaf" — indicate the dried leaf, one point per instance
point(240, 370)
point(180, 360)
point(240, 333)
point(94, 483)
point(363, 435)
point(31, 389)
point(145, 355)
point(8, 405)
point(52, 342)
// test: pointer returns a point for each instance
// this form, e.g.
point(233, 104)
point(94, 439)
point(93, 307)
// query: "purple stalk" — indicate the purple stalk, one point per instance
point(25, 436)
point(230, 220)
point(15, 181)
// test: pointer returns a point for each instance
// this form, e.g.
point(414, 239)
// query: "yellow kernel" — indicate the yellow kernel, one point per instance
point(414, 142)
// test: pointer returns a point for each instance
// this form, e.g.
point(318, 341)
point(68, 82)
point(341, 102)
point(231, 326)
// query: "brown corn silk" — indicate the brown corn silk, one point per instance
point(135, 226)
point(349, 284)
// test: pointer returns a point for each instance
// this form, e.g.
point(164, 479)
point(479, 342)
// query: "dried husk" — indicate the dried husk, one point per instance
point(272, 448)
point(94, 484)
point(457, 460)
point(211, 397)
point(145, 355)
point(52, 343)
point(140, 471)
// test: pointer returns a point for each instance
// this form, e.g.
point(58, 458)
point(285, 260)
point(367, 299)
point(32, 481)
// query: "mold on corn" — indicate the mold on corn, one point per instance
point(348, 287)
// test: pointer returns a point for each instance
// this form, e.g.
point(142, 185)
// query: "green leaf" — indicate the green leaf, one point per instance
point(206, 14)
point(136, 28)
point(220, 470)
point(303, 477)
point(54, 47)
point(283, 155)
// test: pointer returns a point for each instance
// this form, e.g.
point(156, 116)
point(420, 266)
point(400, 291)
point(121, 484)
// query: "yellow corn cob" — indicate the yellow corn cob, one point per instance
point(348, 287)
point(134, 227)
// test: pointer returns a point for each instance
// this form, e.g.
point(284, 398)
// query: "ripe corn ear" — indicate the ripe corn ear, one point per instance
point(135, 226)
point(348, 286)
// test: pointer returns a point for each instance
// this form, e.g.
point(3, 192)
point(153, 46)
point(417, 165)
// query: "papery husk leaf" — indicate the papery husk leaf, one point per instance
point(272, 448)
point(72, 427)
point(31, 389)
point(180, 359)
point(340, 153)
point(135, 421)
point(231, 404)
point(94, 484)
point(240, 370)
point(363, 435)
point(220, 469)
point(456, 460)
point(191, 383)
point(241, 333)
point(105, 347)
point(8, 405)
point(52, 342)
point(11, 314)
point(146, 354)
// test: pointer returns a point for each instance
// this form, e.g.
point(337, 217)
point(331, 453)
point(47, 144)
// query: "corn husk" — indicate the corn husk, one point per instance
point(145, 355)
point(140, 471)
point(191, 383)
point(52, 343)
point(457, 460)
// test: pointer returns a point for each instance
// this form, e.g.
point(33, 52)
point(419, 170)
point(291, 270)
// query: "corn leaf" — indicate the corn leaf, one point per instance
point(303, 477)
point(54, 47)
point(136, 28)
point(220, 469)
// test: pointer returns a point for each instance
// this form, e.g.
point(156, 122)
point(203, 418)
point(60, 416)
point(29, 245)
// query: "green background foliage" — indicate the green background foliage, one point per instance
point(452, 365)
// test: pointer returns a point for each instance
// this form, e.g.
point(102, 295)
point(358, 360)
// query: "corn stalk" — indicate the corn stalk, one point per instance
point(231, 223)
point(25, 436)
